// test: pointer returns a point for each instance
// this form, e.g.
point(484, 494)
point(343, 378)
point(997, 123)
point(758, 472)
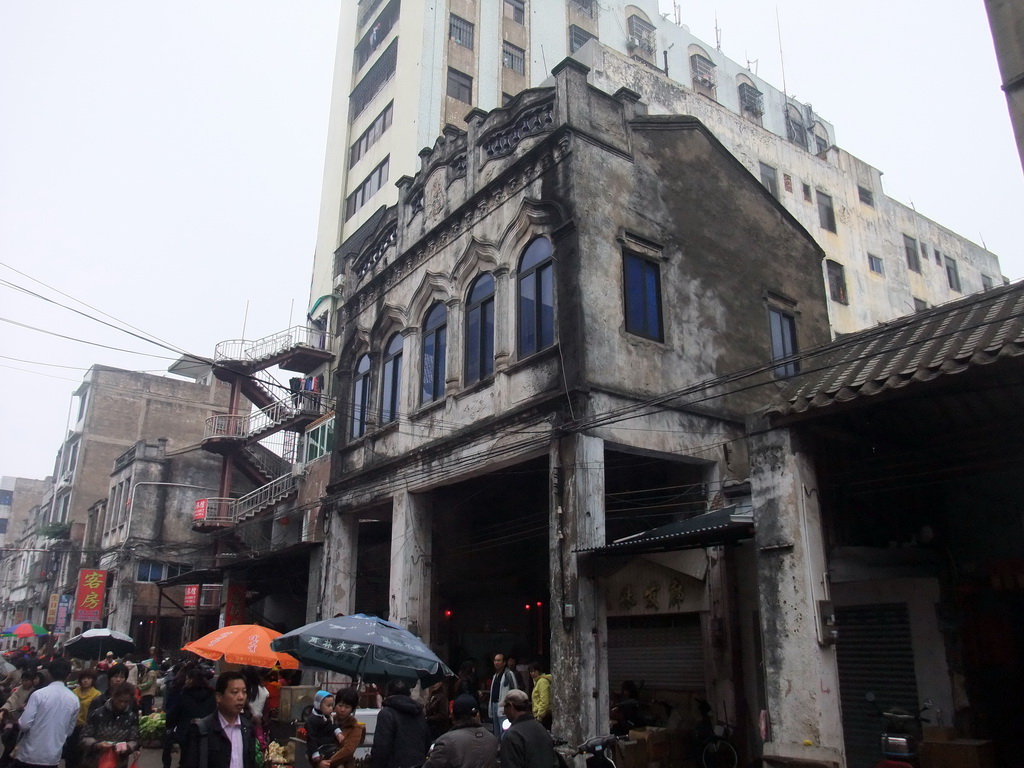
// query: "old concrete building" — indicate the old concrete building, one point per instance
point(113, 409)
point(548, 346)
point(405, 70)
point(22, 586)
point(890, 540)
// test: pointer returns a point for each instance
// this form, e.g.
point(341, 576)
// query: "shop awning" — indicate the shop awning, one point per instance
point(720, 526)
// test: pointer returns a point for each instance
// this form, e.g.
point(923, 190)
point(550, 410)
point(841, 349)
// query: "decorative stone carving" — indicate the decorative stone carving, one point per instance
point(530, 123)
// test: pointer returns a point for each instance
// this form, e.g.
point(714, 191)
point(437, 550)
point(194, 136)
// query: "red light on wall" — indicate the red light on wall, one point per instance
point(539, 603)
point(447, 614)
point(526, 607)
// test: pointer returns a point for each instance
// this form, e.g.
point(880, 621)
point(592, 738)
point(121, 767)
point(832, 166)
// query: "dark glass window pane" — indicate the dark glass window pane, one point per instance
point(527, 315)
point(539, 250)
point(428, 368)
point(473, 343)
point(547, 306)
point(432, 373)
point(487, 342)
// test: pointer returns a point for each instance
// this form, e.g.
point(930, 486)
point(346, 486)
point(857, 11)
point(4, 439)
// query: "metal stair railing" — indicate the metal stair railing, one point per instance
point(247, 506)
point(227, 425)
point(266, 461)
point(268, 346)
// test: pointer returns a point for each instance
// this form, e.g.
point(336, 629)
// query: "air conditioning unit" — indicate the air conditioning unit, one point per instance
point(298, 469)
point(633, 42)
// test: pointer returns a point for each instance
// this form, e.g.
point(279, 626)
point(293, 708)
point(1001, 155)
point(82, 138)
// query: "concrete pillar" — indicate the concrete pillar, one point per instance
point(800, 669)
point(504, 314)
point(411, 572)
point(340, 562)
point(579, 663)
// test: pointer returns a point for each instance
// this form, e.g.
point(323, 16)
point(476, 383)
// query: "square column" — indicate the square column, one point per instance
point(800, 669)
point(340, 561)
point(411, 568)
point(579, 665)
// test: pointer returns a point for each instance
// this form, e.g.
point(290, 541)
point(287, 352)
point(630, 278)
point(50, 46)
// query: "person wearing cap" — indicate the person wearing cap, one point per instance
point(468, 744)
point(526, 743)
point(321, 743)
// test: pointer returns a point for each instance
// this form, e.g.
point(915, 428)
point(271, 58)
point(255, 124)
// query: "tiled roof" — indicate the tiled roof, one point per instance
point(941, 341)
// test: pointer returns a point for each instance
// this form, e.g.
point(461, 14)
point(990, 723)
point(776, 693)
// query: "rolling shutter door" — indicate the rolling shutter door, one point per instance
point(661, 652)
point(875, 653)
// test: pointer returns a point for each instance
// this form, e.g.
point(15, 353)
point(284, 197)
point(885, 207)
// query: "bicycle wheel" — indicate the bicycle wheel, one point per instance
point(719, 753)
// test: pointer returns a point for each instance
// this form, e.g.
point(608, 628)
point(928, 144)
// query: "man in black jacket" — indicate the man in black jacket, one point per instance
point(468, 744)
point(526, 743)
point(224, 739)
point(402, 737)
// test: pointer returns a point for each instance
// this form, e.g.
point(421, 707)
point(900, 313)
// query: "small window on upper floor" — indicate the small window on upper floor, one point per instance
point(770, 179)
point(836, 281)
point(536, 298)
point(796, 131)
point(642, 296)
point(513, 57)
point(360, 396)
point(938, 256)
point(875, 265)
point(460, 86)
point(702, 72)
point(391, 380)
point(913, 258)
point(782, 326)
point(515, 10)
point(435, 350)
point(641, 33)
point(480, 330)
point(826, 213)
point(821, 144)
point(952, 275)
point(578, 37)
point(751, 101)
point(987, 283)
point(586, 7)
point(460, 30)
point(866, 195)
point(807, 193)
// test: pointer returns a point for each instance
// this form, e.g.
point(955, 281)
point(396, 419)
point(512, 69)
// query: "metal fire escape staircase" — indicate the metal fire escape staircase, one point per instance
point(299, 349)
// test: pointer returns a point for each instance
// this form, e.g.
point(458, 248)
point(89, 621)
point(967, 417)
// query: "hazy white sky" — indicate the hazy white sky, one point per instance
point(162, 161)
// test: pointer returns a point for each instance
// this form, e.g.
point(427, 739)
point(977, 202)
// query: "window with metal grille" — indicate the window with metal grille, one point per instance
point(796, 131)
point(836, 281)
point(866, 195)
point(770, 179)
point(366, 8)
point(588, 7)
point(374, 80)
point(702, 69)
point(371, 135)
point(643, 31)
point(952, 275)
point(578, 37)
point(783, 341)
point(751, 100)
point(370, 186)
point(376, 34)
point(913, 259)
point(513, 58)
point(461, 31)
point(460, 86)
point(826, 213)
point(515, 10)
point(875, 265)
point(821, 144)
point(642, 296)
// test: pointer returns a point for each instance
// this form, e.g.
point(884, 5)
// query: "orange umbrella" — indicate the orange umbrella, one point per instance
point(241, 644)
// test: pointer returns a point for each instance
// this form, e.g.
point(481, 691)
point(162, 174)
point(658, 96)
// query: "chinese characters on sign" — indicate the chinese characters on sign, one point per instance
point(63, 614)
point(191, 596)
point(51, 609)
point(234, 610)
point(200, 510)
point(92, 585)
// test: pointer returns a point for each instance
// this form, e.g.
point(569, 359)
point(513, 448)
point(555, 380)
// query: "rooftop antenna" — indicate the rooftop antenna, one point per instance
point(718, 34)
point(782, 56)
point(679, 13)
point(754, 68)
point(245, 318)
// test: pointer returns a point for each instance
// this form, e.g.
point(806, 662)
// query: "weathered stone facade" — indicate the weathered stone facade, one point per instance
point(462, 513)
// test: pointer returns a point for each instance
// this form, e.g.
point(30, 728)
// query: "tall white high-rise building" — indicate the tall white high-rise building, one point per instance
point(406, 70)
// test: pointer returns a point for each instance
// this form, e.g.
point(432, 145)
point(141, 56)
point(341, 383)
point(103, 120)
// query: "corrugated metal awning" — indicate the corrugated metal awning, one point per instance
point(720, 526)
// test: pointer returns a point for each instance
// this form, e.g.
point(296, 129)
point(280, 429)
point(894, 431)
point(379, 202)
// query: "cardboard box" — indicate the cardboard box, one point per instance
point(631, 754)
point(960, 753)
point(655, 741)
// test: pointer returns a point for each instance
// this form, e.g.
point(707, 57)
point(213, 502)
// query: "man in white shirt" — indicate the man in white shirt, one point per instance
point(48, 720)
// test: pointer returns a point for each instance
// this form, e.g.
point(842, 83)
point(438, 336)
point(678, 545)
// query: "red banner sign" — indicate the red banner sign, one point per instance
point(92, 587)
point(234, 608)
point(191, 596)
point(199, 513)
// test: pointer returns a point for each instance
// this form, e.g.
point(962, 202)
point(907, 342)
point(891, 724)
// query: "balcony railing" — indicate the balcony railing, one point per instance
point(268, 346)
point(245, 426)
point(213, 512)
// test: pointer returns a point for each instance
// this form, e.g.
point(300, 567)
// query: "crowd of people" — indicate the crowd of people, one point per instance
point(89, 717)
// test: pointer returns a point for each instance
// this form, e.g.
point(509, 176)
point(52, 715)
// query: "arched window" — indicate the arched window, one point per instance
point(480, 329)
point(435, 333)
point(360, 396)
point(391, 376)
point(536, 298)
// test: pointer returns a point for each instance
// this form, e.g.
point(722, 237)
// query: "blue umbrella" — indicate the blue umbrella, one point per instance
point(363, 647)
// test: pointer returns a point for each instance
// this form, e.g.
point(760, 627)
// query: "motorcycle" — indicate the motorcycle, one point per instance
point(900, 736)
point(598, 751)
